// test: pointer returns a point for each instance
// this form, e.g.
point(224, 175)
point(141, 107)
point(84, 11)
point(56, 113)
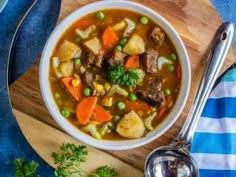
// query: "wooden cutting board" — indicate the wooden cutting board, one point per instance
point(195, 20)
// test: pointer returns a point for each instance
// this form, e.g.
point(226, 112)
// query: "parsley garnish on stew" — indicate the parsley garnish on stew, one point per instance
point(118, 75)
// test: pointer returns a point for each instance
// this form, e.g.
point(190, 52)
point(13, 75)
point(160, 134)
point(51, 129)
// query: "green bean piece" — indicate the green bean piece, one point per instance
point(167, 91)
point(119, 48)
point(65, 113)
point(132, 97)
point(87, 91)
point(77, 61)
point(121, 105)
point(170, 68)
point(123, 41)
point(100, 15)
point(143, 20)
point(116, 118)
point(173, 57)
point(57, 95)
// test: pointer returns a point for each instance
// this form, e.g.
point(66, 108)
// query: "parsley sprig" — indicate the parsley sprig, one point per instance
point(118, 75)
point(69, 160)
point(24, 169)
point(106, 171)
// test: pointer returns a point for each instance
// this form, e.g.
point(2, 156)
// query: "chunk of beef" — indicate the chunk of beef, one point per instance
point(149, 60)
point(89, 58)
point(157, 36)
point(88, 78)
point(152, 92)
point(99, 59)
point(117, 57)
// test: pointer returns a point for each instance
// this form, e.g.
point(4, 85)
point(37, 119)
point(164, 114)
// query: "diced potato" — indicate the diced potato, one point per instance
point(68, 50)
point(67, 68)
point(135, 45)
point(94, 45)
point(119, 26)
point(107, 101)
point(131, 126)
point(55, 66)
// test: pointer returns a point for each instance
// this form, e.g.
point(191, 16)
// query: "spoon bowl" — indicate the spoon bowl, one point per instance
point(167, 161)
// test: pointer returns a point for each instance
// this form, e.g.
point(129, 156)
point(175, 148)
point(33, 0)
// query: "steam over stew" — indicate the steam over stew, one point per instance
point(115, 74)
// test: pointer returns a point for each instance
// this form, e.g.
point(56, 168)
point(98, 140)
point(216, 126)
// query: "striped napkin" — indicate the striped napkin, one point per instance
point(214, 142)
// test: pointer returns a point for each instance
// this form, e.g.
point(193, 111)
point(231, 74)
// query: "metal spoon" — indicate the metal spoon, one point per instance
point(174, 160)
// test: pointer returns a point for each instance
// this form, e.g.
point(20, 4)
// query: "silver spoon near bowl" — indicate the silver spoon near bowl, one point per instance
point(175, 160)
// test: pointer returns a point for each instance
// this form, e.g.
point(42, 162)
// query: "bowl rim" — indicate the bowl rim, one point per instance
point(71, 129)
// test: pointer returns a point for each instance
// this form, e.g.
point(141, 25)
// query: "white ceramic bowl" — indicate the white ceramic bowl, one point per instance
point(107, 144)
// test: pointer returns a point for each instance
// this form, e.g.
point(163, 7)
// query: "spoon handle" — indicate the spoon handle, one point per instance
point(217, 54)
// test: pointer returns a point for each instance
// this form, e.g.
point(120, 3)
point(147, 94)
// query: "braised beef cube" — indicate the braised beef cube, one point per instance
point(88, 78)
point(99, 59)
point(157, 36)
point(149, 59)
point(89, 58)
point(152, 92)
point(117, 57)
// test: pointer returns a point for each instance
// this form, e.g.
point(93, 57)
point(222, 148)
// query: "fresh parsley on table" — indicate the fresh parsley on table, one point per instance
point(68, 163)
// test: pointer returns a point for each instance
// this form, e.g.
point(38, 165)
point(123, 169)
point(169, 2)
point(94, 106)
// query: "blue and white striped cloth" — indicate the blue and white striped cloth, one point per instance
point(214, 142)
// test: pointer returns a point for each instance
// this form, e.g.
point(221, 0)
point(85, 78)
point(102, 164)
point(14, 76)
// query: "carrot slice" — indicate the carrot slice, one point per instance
point(85, 109)
point(100, 114)
point(76, 92)
point(132, 62)
point(82, 24)
point(109, 38)
point(137, 106)
point(161, 111)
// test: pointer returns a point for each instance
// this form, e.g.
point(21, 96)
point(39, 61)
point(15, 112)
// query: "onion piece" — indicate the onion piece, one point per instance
point(161, 61)
point(130, 27)
point(86, 33)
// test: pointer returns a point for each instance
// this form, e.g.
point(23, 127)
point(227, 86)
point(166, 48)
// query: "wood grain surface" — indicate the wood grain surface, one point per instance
point(195, 20)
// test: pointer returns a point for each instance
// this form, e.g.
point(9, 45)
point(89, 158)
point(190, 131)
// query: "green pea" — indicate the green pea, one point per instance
point(173, 57)
point(119, 48)
point(123, 41)
point(77, 61)
point(170, 68)
point(77, 39)
point(167, 91)
point(87, 91)
point(65, 113)
point(132, 97)
point(57, 95)
point(100, 15)
point(143, 20)
point(121, 105)
point(116, 118)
